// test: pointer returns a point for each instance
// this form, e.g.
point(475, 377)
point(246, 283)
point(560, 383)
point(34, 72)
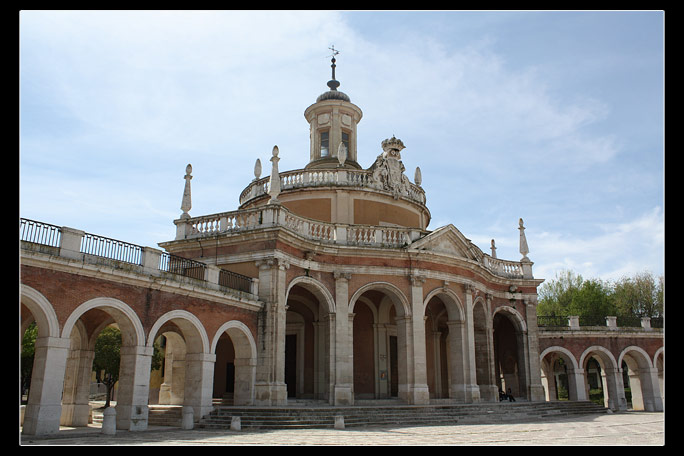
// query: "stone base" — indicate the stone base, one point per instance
point(270, 394)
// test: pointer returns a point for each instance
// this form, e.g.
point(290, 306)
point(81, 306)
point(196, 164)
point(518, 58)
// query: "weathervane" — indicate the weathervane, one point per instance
point(333, 84)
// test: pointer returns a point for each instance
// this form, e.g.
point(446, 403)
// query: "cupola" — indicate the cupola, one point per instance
point(332, 123)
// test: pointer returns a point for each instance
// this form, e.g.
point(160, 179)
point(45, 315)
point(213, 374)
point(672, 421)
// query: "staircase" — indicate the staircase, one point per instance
point(309, 416)
point(165, 415)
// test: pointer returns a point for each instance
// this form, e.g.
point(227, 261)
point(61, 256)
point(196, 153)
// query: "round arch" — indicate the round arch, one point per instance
point(132, 331)
point(453, 304)
point(659, 352)
point(193, 331)
point(246, 347)
point(316, 288)
point(603, 353)
point(397, 297)
point(244, 362)
point(515, 317)
point(557, 349)
point(42, 310)
point(643, 360)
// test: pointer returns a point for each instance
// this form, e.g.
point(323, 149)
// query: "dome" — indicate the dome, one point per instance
point(333, 93)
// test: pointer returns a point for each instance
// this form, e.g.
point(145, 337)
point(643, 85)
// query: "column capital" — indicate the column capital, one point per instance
point(417, 280)
point(341, 275)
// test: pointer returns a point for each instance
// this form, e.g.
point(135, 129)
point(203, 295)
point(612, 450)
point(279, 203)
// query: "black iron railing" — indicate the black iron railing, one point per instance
point(39, 233)
point(181, 266)
point(552, 321)
point(235, 281)
point(101, 246)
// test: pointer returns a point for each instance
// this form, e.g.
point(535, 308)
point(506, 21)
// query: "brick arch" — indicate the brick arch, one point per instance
point(513, 315)
point(557, 349)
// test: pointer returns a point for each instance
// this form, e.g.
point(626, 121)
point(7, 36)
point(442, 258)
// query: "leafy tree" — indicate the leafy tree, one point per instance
point(28, 349)
point(639, 296)
point(592, 298)
point(555, 296)
point(570, 294)
point(107, 358)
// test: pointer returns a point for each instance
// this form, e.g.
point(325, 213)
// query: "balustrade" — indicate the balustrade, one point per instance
point(323, 177)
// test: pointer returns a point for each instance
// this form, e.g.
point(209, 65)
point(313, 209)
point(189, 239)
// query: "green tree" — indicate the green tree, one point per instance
point(28, 349)
point(592, 298)
point(107, 358)
point(555, 296)
point(639, 296)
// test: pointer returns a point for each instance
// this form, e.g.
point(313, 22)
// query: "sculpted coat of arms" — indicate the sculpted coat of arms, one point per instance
point(388, 170)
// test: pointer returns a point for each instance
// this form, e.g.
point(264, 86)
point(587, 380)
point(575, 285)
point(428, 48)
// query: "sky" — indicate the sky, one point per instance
point(555, 117)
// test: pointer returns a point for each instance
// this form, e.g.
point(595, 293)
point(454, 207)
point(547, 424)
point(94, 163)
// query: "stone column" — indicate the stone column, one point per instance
point(489, 391)
point(536, 389)
point(269, 386)
point(75, 406)
point(134, 386)
point(44, 406)
point(343, 393)
point(472, 390)
point(199, 383)
point(420, 393)
point(576, 389)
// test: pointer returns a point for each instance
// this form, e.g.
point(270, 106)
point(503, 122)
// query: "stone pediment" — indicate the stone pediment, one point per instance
point(449, 240)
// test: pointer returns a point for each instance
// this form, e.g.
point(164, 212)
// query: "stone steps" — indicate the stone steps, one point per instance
point(301, 415)
point(165, 415)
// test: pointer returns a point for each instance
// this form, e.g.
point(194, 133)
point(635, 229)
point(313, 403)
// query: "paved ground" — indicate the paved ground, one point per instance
point(624, 428)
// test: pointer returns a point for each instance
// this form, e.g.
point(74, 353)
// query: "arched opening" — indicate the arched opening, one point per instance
point(509, 354)
point(379, 346)
point(561, 378)
point(235, 366)
point(437, 348)
point(187, 367)
point(601, 378)
point(640, 381)
point(82, 328)
point(308, 340)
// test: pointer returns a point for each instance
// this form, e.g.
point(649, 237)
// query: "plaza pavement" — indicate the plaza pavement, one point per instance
point(612, 429)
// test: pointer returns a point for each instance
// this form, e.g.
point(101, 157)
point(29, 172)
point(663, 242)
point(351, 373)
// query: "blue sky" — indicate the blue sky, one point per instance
point(555, 117)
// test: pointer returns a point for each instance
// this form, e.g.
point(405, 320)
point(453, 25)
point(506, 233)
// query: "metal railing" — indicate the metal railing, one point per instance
point(235, 281)
point(92, 244)
point(181, 266)
point(39, 233)
point(552, 321)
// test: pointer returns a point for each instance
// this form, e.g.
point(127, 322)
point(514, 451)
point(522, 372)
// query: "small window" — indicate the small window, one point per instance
point(345, 140)
point(324, 144)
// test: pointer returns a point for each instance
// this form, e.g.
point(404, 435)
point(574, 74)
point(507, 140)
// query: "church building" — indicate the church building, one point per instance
point(361, 301)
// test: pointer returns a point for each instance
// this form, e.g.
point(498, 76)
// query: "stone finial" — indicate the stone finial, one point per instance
point(186, 204)
point(274, 182)
point(257, 169)
point(524, 250)
point(493, 249)
point(418, 177)
point(342, 153)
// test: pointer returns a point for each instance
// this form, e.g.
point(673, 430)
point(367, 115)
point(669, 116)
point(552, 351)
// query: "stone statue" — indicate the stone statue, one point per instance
point(388, 170)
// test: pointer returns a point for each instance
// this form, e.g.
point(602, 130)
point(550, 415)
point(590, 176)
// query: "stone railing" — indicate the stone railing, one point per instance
point(276, 215)
point(504, 268)
point(269, 216)
point(302, 178)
